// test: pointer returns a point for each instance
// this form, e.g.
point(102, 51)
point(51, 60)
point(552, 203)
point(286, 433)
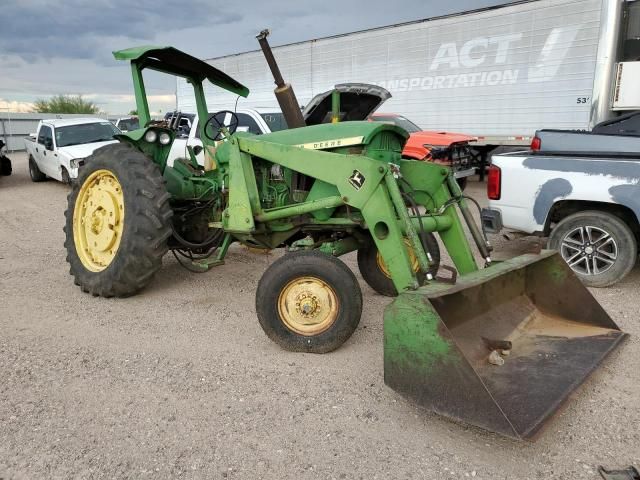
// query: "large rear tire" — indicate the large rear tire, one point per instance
point(117, 222)
point(308, 301)
point(374, 271)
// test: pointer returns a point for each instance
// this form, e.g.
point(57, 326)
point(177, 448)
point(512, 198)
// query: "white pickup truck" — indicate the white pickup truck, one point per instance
point(60, 146)
point(258, 121)
point(582, 189)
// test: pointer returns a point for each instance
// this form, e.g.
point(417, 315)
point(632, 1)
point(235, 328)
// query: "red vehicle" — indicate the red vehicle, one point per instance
point(441, 147)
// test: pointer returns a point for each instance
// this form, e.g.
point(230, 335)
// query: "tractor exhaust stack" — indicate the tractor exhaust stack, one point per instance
point(283, 91)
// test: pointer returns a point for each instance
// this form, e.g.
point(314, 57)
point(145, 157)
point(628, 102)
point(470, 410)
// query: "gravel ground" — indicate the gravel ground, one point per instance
point(181, 382)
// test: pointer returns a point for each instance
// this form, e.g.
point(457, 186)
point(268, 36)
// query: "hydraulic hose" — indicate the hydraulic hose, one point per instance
point(186, 243)
point(478, 238)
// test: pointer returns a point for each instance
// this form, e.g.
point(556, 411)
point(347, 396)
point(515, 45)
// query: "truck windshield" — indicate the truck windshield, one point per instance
point(128, 124)
point(398, 120)
point(275, 121)
point(85, 133)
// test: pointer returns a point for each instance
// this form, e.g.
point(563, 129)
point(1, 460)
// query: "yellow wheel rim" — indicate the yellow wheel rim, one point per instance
point(98, 218)
point(308, 306)
point(412, 259)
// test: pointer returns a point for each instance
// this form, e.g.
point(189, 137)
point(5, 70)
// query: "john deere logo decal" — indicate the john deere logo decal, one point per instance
point(357, 180)
point(333, 143)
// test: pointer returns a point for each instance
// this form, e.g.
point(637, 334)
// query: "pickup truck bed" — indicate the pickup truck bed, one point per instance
point(560, 142)
point(612, 138)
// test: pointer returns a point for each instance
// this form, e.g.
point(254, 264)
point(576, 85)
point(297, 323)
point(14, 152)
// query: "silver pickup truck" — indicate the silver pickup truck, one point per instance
point(581, 189)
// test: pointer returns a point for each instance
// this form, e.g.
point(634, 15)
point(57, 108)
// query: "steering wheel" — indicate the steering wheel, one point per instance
point(220, 125)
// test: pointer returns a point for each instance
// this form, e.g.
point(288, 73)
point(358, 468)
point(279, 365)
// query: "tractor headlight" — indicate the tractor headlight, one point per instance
point(165, 138)
point(151, 136)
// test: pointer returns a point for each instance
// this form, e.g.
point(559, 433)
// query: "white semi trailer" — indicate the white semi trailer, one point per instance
point(497, 73)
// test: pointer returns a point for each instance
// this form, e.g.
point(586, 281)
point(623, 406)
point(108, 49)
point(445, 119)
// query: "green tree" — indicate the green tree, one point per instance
point(65, 104)
point(133, 112)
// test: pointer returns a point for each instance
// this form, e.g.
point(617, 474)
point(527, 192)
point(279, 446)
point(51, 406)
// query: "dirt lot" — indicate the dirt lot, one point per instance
point(181, 382)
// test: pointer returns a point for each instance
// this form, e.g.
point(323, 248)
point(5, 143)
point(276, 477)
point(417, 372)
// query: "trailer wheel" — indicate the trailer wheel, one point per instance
point(375, 273)
point(117, 222)
point(34, 172)
point(599, 247)
point(308, 301)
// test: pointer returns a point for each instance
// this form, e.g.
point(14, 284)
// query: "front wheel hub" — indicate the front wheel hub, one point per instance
point(308, 306)
point(98, 220)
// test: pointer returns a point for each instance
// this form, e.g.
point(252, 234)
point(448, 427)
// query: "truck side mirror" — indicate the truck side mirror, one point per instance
point(48, 143)
point(183, 131)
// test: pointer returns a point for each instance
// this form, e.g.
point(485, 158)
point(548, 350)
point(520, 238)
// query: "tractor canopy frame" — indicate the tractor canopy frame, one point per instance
point(172, 61)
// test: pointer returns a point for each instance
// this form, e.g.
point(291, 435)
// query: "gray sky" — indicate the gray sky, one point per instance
point(50, 47)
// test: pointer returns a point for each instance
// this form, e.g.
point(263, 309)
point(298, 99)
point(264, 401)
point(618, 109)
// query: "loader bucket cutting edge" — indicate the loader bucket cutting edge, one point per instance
point(437, 341)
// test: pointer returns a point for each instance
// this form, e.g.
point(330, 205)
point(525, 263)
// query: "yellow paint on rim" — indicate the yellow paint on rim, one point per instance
point(415, 266)
point(98, 220)
point(308, 306)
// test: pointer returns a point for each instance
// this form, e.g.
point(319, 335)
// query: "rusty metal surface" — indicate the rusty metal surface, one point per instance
point(284, 92)
point(438, 341)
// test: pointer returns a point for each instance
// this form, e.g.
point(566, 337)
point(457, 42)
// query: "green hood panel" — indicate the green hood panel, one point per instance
point(328, 132)
point(175, 62)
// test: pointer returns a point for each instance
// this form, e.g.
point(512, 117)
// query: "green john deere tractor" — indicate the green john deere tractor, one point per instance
point(500, 347)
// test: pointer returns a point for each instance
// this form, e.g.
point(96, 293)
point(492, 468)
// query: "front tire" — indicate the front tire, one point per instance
point(117, 222)
point(64, 175)
point(34, 172)
point(308, 301)
point(599, 247)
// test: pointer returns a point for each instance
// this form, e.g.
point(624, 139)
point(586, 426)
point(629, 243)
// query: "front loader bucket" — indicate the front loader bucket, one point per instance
point(438, 339)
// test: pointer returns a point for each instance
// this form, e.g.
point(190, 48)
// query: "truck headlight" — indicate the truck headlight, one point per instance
point(151, 136)
point(76, 162)
point(165, 138)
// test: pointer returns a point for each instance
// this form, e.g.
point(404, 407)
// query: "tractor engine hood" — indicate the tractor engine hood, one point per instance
point(357, 102)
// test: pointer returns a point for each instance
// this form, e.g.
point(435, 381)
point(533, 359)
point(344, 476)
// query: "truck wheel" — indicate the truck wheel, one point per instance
point(117, 222)
point(375, 273)
point(34, 172)
point(64, 175)
point(5, 166)
point(308, 301)
point(599, 247)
